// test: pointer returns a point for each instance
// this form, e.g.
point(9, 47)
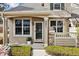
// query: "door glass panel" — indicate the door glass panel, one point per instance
point(38, 30)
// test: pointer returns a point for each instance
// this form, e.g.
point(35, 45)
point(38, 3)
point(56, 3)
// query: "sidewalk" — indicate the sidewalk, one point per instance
point(39, 52)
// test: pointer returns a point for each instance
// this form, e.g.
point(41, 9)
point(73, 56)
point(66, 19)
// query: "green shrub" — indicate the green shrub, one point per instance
point(62, 51)
point(21, 50)
point(29, 39)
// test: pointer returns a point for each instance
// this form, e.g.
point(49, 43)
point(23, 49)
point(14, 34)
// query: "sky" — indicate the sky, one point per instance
point(11, 5)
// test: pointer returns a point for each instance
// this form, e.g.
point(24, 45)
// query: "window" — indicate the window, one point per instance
point(57, 26)
point(56, 6)
point(22, 27)
point(26, 27)
point(18, 27)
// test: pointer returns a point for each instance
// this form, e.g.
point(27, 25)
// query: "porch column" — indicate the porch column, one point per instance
point(4, 29)
point(45, 31)
point(2, 16)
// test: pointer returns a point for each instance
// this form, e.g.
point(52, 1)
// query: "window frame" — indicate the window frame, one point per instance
point(23, 35)
point(56, 24)
point(57, 9)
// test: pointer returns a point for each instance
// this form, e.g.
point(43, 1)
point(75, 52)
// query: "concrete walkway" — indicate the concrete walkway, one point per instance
point(39, 52)
point(38, 49)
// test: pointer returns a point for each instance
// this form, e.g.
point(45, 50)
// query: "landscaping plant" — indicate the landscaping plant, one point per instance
point(62, 51)
point(21, 50)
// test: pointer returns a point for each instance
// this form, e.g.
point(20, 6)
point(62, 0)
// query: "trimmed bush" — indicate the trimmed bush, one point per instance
point(21, 50)
point(62, 51)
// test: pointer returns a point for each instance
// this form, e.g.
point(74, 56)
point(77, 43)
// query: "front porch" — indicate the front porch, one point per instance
point(43, 20)
point(64, 39)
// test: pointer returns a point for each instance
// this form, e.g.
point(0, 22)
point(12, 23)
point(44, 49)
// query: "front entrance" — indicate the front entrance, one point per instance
point(38, 31)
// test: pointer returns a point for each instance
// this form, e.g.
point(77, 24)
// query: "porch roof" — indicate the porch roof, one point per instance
point(59, 14)
point(37, 13)
point(74, 19)
point(25, 13)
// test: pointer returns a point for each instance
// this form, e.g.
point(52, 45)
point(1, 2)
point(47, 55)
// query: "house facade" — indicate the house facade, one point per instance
point(47, 23)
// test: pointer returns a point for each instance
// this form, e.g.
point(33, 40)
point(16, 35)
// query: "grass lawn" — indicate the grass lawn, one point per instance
point(21, 50)
point(62, 51)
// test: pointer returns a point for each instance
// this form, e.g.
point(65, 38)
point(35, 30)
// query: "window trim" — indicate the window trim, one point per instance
point(23, 35)
point(56, 24)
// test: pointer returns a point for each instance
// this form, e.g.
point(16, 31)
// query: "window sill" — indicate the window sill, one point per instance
point(56, 10)
point(22, 36)
point(51, 31)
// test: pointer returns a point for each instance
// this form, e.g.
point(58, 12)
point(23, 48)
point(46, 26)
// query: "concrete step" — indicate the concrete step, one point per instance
point(38, 46)
point(38, 41)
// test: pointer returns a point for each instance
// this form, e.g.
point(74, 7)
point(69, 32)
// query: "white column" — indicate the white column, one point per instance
point(45, 31)
point(4, 30)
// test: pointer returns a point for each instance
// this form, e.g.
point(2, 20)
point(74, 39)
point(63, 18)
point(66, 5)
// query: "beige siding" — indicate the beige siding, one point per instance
point(47, 6)
point(66, 25)
point(65, 42)
point(68, 7)
point(36, 6)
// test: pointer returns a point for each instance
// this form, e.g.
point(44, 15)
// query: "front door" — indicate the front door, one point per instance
point(38, 31)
